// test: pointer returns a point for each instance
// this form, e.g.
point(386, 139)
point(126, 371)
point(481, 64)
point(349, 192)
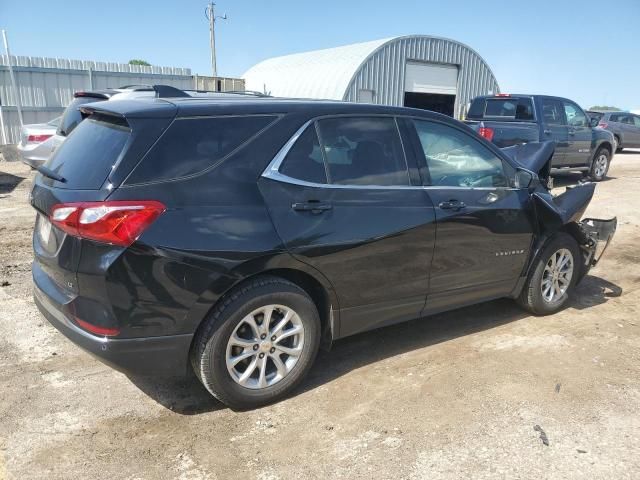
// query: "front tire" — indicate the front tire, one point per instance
point(259, 344)
point(600, 164)
point(553, 276)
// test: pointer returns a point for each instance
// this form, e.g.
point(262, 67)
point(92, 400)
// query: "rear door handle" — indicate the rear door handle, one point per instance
point(572, 132)
point(452, 205)
point(312, 206)
point(547, 132)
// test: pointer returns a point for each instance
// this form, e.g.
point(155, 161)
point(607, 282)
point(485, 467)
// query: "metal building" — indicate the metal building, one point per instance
point(417, 71)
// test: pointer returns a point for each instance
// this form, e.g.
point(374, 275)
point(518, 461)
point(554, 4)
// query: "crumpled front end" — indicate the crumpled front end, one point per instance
point(597, 235)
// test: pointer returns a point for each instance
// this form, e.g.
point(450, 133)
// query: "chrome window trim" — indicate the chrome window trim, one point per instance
point(273, 169)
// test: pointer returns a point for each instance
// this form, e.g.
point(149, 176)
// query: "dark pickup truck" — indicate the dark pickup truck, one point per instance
point(508, 120)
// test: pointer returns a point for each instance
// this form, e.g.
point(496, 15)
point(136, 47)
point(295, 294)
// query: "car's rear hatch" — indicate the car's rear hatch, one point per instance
point(87, 167)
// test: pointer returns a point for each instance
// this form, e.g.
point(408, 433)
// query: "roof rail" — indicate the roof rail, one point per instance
point(230, 92)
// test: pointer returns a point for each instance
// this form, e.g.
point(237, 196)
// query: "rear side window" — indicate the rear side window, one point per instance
point(191, 145)
point(503, 107)
point(552, 112)
point(304, 161)
point(85, 158)
point(72, 117)
point(363, 151)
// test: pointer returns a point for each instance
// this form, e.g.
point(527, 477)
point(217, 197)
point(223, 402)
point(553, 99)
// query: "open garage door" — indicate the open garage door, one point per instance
point(431, 86)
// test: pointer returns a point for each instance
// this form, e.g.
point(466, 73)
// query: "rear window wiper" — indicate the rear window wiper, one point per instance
point(51, 174)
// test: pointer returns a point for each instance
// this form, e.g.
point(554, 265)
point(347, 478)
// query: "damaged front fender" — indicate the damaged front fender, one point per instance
point(564, 212)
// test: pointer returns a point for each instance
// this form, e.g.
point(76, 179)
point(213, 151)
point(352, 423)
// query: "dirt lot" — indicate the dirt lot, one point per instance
point(460, 395)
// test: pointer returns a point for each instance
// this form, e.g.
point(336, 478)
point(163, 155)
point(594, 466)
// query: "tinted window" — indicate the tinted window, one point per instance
point(595, 116)
point(192, 145)
point(72, 117)
point(457, 159)
point(503, 107)
point(518, 108)
point(476, 110)
point(552, 113)
point(304, 160)
point(615, 117)
point(574, 114)
point(626, 119)
point(363, 151)
point(85, 158)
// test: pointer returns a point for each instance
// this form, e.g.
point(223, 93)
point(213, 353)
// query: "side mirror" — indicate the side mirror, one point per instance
point(594, 122)
point(526, 179)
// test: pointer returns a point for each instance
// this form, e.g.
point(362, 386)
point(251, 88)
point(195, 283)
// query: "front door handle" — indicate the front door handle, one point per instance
point(546, 131)
point(572, 132)
point(452, 205)
point(312, 206)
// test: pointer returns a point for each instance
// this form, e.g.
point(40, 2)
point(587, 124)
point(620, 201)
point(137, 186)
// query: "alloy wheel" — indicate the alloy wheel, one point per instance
point(557, 275)
point(265, 346)
point(601, 165)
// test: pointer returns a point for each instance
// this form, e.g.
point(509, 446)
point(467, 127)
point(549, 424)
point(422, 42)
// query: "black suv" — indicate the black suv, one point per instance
point(234, 236)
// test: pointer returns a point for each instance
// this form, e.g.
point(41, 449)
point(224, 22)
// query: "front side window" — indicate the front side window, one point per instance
point(456, 159)
point(575, 115)
point(552, 113)
point(636, 121)
point(304, 161)
point(363, 151)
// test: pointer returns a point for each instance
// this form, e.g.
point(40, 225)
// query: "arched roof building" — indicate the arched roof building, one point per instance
point(417, 70)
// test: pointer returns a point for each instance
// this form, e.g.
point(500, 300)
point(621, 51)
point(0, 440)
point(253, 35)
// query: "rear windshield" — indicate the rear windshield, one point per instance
point(85, 158)
point(192, 145)
point(501, 108)
point(72, 117)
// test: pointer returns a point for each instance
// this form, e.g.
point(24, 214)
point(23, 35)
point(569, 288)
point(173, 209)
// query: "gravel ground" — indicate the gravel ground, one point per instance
point(481, 392)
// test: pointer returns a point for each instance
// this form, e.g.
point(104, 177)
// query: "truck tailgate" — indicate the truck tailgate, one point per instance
point(506, 134)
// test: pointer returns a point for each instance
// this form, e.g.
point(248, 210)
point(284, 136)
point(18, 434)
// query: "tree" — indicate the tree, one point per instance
point(604, 108)
point(137, 61)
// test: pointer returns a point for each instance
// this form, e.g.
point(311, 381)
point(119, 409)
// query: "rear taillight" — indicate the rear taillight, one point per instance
point(117, 223)
point(603, 124)
point(38, 138)
point(486, 132)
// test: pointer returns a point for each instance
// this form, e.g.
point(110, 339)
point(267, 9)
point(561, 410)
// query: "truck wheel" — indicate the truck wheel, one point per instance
point(258, 344)
point(552, 277)
point(600, 164)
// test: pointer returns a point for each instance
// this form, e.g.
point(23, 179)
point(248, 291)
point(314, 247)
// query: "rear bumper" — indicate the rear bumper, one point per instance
point(153, 356)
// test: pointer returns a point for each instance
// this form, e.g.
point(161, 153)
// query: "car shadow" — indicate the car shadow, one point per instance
point(371, 347)
point(9, 182)
point(187, 396)
point(182, 395)
point(571, 179)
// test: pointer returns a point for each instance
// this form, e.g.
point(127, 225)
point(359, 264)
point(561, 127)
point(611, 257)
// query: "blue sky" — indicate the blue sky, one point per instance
point(588, 50)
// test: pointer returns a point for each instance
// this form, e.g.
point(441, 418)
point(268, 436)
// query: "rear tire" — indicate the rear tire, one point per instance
point(600, 164)
point(234, 352)
point(616, 147)
point(553, 276)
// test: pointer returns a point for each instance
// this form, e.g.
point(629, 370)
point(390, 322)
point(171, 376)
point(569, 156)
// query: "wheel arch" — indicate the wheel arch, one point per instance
point(316, 285)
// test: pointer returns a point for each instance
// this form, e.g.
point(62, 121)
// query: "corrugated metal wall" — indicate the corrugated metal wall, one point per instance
point(46, 85)
point(384, 71)
point(219, 84)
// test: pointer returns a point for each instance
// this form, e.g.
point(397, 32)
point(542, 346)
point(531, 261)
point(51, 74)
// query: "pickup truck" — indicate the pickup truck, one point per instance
point(508, 120)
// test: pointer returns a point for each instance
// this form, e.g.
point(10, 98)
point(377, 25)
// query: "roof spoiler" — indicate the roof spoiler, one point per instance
point(166, 91)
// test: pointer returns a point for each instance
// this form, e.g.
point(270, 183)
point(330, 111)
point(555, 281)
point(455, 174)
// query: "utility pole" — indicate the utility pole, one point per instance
point(211, 16)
